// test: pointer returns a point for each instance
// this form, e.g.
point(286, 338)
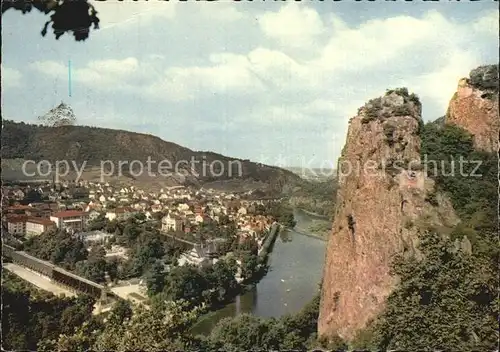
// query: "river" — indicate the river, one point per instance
point(296, 267)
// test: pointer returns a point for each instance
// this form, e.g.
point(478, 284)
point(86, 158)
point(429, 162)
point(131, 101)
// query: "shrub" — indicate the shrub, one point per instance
point(367, 119)
point(431, 199)
point(389, 133)
point(399, 91)
point(415, 99)
point(484, 78)
point(403, 110)
point(372, 109)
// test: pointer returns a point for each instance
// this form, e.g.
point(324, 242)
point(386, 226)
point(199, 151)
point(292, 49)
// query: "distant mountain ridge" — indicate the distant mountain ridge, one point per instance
point(93, 145)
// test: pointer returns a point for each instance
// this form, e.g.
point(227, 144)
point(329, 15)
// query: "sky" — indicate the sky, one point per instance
point(273, 82)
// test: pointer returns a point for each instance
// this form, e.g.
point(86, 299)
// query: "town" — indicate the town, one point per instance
point(129, 239)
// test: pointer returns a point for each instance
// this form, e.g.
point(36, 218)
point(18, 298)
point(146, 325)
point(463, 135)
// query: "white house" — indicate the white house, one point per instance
point(171, 222)
point(94, 237)
point(93, 214)
point(199, 256)
point(70, 219)
point(120, 214)
point(183, 207)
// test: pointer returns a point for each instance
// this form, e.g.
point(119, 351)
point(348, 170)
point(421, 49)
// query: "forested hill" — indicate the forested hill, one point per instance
point(93, 145)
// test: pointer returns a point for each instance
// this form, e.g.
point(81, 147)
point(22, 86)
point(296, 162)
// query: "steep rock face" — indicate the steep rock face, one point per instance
point(474, 107)
point(377, 205)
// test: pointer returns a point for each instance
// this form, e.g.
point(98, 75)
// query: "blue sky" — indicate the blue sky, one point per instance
point(275, 82)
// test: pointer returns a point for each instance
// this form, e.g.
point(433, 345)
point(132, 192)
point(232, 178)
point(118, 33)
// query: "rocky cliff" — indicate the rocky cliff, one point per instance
point(474, 107)
point(382, 196)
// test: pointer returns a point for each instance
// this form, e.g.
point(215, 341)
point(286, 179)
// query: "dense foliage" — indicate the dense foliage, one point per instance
point(485, 78)
point(211, 286)
point(316, 197)
point(30, 315)
point(247, 332)
point(447, 301)
point(166, 327)
point(96, 266)
point(280, 211)
point(381, 107)
point(58, 247)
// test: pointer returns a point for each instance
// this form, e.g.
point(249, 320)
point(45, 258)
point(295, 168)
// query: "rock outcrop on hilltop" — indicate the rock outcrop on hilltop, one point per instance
point(379, 205)
point(474, 107)
point(62, 115)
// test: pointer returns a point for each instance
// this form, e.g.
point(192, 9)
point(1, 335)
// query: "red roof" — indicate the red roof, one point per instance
point(69, 214)
point(124, 210)
point(40, 221)
point(19, 207)
point(16, 218)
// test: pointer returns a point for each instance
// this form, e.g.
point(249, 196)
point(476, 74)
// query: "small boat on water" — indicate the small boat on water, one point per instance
point(282, 280)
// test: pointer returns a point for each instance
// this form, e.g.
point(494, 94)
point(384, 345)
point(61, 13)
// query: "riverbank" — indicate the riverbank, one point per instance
point(295, 270)
point(267, 246)
point(310, 213)
point(249, 284)
point(312, 225)
point(312, 235)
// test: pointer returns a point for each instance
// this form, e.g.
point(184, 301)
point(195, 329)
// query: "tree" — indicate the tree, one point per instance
point(131, 232)
point(185, 282)
point(94, 268)
point(111, 226)
point(249, 265)
point(223, 277)
point(243, 333)
point(140, 217)
point(162, 328)
point(76, 314)
point(146, 250)
point(155, 279)
point(59, 247)
point(121, 311)
point(98, 223)
point(29, 315)
point(444, 302)
point(66, 16)
point(250, 245)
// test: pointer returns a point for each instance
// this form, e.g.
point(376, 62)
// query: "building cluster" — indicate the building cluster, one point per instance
point(177, 210)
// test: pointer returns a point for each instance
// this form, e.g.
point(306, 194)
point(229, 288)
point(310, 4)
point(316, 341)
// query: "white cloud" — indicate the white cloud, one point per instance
point(488, 23)
point(381, 41)
point(49, 68)
point(117, 68)
point(228, 74)
point(110, 74)
point(114, 13)
point(11, 77)
point(293, 24)
point(274, 83)
point(439, 85)
point(226, 12)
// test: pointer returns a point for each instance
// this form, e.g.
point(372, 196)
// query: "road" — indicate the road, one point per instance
point(38, 280)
